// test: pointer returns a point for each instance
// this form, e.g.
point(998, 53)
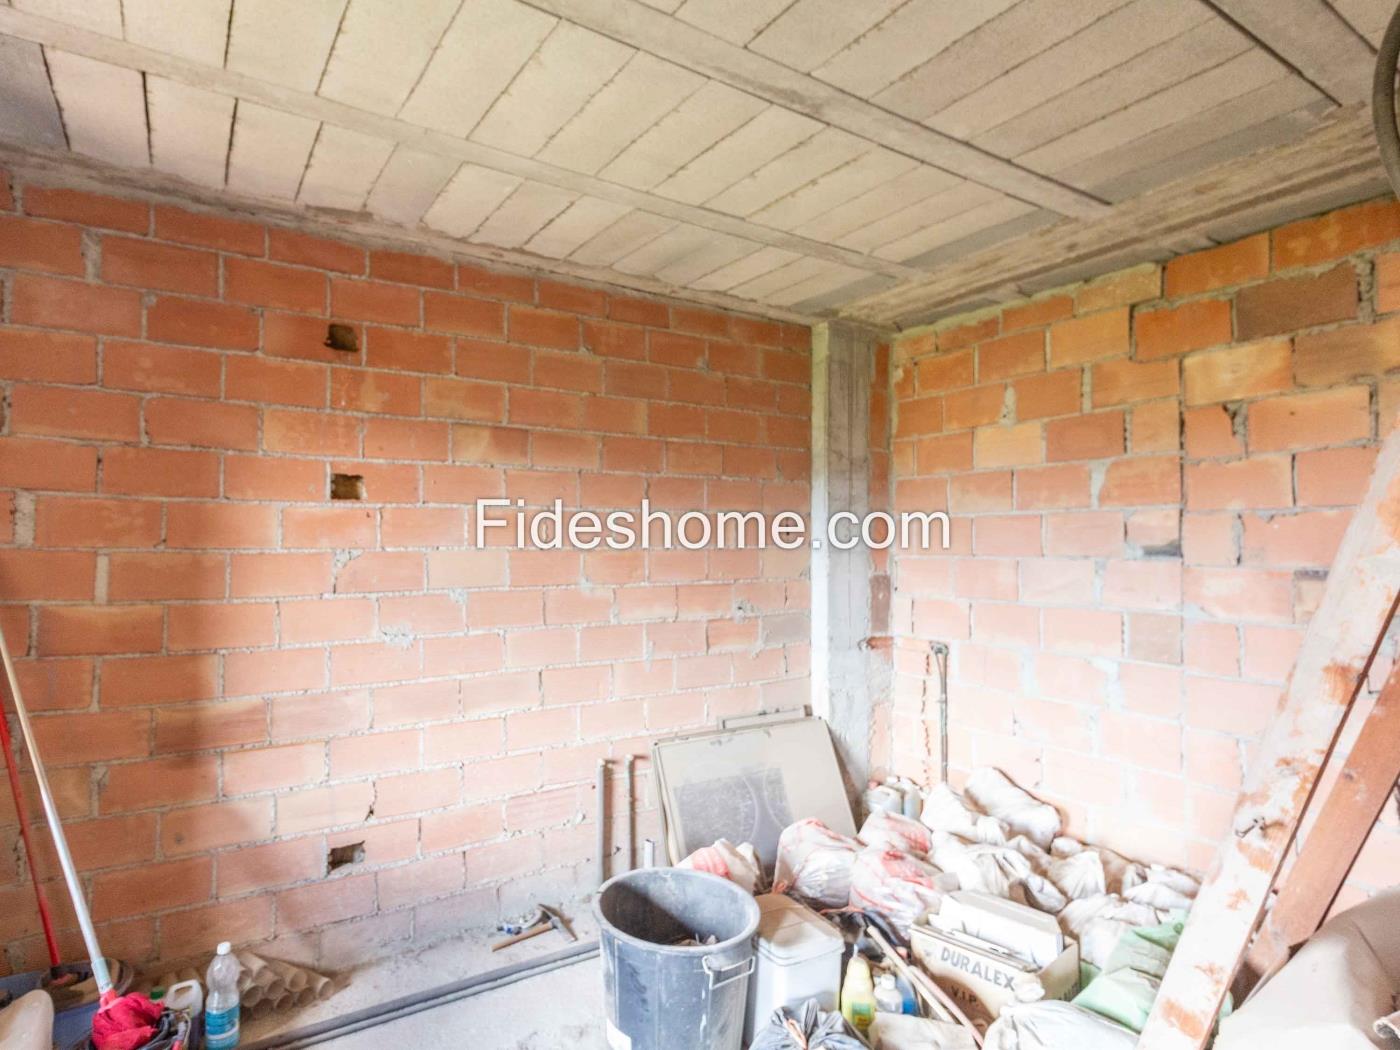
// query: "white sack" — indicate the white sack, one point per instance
point(991, 791)
point(1054, 1025)
point(814, 863)
point(739, 864)
point(895, 831)
point(946, 810)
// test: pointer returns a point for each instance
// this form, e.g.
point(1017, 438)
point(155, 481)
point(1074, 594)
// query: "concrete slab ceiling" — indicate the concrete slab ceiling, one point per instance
point(802, 158)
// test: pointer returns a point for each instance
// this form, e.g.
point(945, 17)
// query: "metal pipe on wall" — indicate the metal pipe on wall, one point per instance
point(628, 863)
point(602, 844)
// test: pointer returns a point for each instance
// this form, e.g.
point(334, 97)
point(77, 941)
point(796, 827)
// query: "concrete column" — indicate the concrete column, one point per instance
point(842, 366)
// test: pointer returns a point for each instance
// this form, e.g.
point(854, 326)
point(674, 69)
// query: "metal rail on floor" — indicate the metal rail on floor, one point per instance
point(383, 1013)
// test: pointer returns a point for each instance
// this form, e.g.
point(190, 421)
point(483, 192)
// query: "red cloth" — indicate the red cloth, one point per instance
point(129, 1022)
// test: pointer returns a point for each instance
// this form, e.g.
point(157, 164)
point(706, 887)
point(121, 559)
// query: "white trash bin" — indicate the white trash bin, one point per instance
point(798, 958)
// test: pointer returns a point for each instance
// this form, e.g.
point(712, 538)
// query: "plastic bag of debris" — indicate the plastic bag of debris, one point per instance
point(814, 863)
point(946, 810)
point(898, 885)
point(805, 1028)
point(1055, 1025)
point(739, 864)
point(991, 791)
point(895, 831)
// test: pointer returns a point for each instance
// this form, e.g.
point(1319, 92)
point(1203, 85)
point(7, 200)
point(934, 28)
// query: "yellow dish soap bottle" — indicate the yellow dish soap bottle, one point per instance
point(858, 994)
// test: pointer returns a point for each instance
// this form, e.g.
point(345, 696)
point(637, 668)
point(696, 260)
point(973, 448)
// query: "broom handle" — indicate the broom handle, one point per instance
point(60, 842)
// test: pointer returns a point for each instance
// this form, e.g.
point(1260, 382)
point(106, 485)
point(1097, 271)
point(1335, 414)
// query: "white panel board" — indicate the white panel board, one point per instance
point(101, 16)
point(826, 150)
point(409, 184)
point(481, 52)
point(578, 223)
point(910, 188)
point(954, 228)
point(734, 20)
point(800, 269)
point(523, 214)
point(281, 42)
point(342, 169)
point(707, 116)
point(718, 251)
point(103, 106)
point(644, 91)
point(28, 111)
point(190, 130)
point(624, 236)
point(472, 194)
point(270, 150)
point(568, 69)
point(666, 250)
point(818, 197)
point(745, 269)
point(1367, 17)
point(193, 29)
point(811, 31)
point(381, 51)
point(836, 276)
point(917, 216)
point(771, 134)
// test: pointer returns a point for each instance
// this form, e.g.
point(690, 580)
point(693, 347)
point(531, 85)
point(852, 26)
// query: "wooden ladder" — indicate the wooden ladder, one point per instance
point(1341, 642)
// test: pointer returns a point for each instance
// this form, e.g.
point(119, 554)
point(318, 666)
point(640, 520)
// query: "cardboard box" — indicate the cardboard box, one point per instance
point(983, 977)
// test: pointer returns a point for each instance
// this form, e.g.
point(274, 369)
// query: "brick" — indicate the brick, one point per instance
point(1353, 352)
point(1090, 337)
point(275, 382)
point(76, 629)
point(346, 526)
point(1008, 446)
point(276, 575)
point(64, 412)
point(50, 247)
point(1308, 539)
point(194, 323)
point(494, 284)
point(1141, 481)
point(1213, 431)
point(956, 336)
point(33, 463)
point(288, 670)
point(1336, 234)
point(177, 422)
point(75, 522)
point(463, 315)
point(393, 348)
point(1290, 303)
point(975, 407)
point(1123, 382)
point(87, 209)
point(1388, 283)
point(282, 478)
point(974, 493)
point(165, 575)
point(943, 372)
point(1229, 264)
point(533, 327)
point(315, 433)
point(319, 904)
point(1093, 436)
point(374, 301)
point(1094, 534)
point(149, 368)
point(48, 302)
point(119, 894)
point(1264, 481)
point(1045, 488)
point(160, 472)
point(309, 250)
point(207, 230)
point(1156, 426)
point(221, 626)
point(259, 283)
point(1054, 394)
point(1327, 417)
point(1335, 477)
point(1120, 289)
point(1244, 371)
point(1171, 331)
point(1037, 312)
point(1011, 355)
point(147, 264)
point(1240, 594)
point(410, 268)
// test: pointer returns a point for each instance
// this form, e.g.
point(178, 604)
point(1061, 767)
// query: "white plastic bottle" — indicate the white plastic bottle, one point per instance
point(221, 1000)
point(887, 996)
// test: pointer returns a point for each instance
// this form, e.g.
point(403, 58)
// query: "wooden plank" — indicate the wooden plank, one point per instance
point(485, 47)
point(811, 31)
point(1341, 640)
point(734, 20)
point(1344, 820)
point(1118, 37)
point(770, 134)
point(825, 151)
point(578, 223)
point(379, 53)
point(103, 106)
point(471, 195)
point(190, 130)
point(269, 152)
point(523, 214)
point(408, 185)
point(28, 109)
point(644, 91)
point(342, 168)
point(649, 30)
point(1312, 38)
point(707, 116)
point(193, 29)
point(100, 16)
point(283, 43)
point(568, 69)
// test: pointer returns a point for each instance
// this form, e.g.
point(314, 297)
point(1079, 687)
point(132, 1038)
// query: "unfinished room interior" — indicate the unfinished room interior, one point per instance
point(699, 524)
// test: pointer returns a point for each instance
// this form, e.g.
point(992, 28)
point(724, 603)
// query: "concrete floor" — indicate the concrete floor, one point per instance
point(558, 1010)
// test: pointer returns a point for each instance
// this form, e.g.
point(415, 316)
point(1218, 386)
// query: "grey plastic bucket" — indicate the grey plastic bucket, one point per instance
point(662, 995)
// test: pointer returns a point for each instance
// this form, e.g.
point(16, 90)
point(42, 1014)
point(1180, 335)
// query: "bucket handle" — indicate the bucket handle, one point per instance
point(741, 969)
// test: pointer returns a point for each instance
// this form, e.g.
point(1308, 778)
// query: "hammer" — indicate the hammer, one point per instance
point(548, 919)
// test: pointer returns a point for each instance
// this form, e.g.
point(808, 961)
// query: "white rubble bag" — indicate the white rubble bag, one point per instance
point(898, 885)
point(739, 864)
point(814, 864)
point(980, 866)
point(1078, 876)
point(1331, 994)
point(894, 831)
point(946, 810)
point(1055, 1025)
point(991, 791)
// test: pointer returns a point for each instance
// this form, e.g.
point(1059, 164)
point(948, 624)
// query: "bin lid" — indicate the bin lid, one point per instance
point(790, 932)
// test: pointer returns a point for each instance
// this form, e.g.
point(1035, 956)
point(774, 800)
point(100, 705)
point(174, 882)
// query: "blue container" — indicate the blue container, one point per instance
point(74, 1024)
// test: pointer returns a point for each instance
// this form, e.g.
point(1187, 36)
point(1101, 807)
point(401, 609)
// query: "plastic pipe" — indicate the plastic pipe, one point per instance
point(60, 841)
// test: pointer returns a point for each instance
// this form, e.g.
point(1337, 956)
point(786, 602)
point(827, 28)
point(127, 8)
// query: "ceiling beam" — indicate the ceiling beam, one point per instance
point(120, 53)
point(1313, 39)
point(648, 29)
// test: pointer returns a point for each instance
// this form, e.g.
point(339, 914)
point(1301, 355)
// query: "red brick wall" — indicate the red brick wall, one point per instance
point(234, 673)
point(1148, 477)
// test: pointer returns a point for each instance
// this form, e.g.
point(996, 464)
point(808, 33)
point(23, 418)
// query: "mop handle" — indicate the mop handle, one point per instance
point(22, 814)
point(60, 842)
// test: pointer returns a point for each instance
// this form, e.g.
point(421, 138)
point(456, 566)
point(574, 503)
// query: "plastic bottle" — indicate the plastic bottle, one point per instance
point(187, 996)
point(858, 995)
point(221, 1001)
point(887, 996)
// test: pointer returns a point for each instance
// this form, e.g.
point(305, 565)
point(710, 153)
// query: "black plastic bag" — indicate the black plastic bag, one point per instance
point(805, 1028)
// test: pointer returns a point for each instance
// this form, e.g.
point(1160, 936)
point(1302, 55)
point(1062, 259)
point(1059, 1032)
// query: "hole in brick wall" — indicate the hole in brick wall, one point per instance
point(347, 486)
point(343, 856)
point(342, 337)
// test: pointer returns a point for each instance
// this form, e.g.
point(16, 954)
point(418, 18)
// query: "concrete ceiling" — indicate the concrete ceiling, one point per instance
point(886, 160)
